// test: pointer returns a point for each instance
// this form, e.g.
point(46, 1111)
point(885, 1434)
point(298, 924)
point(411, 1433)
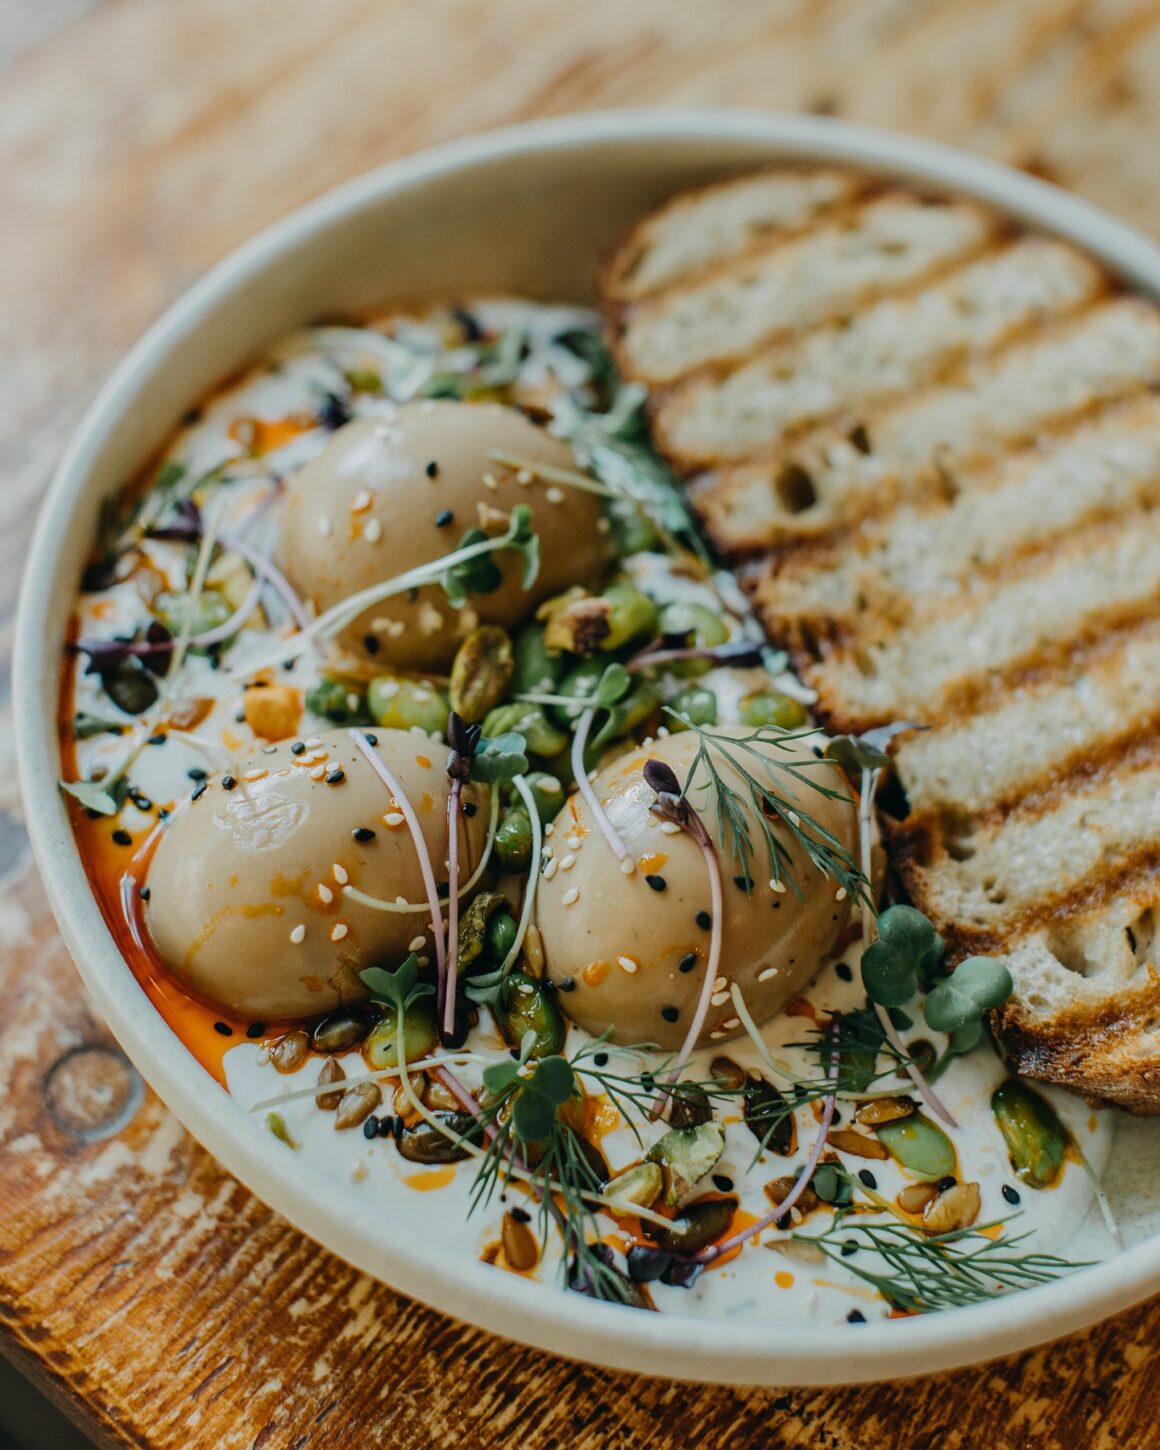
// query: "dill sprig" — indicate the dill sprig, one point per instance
point(926, 1272)
point(764, 802)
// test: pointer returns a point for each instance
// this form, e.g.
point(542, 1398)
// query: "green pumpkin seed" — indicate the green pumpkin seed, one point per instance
point(768, 707)
point(918, 1144)
point(696, 1226)
point(398, 703)
point(633, 615)
point(694, 705)
point(130, 686)
point(769, 1117)
point(513, 841)
point(690, 1106)
point(419, 1035)
point(473, 927)
point(537, 670)
point(686, 1155)
point(339, 701)
point(340, 1031)
point(703, 628)
point(1036, 1139)
point(480, 672)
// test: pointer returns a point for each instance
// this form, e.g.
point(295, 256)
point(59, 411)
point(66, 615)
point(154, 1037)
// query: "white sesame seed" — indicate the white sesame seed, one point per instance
point(417, 944)
point(423, 961)
point(550, 829)
point(570, 896)
point(627, 964)
point(361, 501)
point(715, 1035)
point(663, 732)
point(670, 828)
point(340, 874)
point(568, 862)
point(778, 886)
point(489, 481)
point(550, 869)
point(325, 527)
point(358, 1171)
point(400, 901)
point(718, 999)
point(574, 843)
point(554, 494)
point(731, 1022)
point(394, 819)
point(338, 930)
point(373, 531)
point(840, 894)
point(325, 895)
point(793, 818)
point(720, 984)
point(765, 975)
point(257, 774)
point(317, 772)
point(395, 628)
point(298, 934)
point(315, 740)
point(524, 477)
point(628, 866)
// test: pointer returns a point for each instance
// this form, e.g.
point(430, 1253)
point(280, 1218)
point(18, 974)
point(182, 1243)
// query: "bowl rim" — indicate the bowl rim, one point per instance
point(664, 1344)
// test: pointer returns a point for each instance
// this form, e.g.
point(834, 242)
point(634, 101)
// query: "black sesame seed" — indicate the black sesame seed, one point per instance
point(122, 838)
point(687, 962)
point(363, 833)
point(843, 971)
point(158, 739)
point(255, 1029)
point(548, 987)
point(1012, 1195)
point(723, 1182)
point(744, 883)
point(566, 984)
point(469, 808)
point(371, 739)
point(670, 1014)
point(945, 1183)
point(443, 518)
point(223, 1029)
point(472, 331)
point(298, 747)
point(867, 1178)
point(142, 802)
point(658, 883)
point(144, 893)
point(228, 782)
point(442, 890)
point(162, 814)
point(849, 1247)
point(258, 685)
point(195, 772)
point(704, 920)
point(855, 1316)
point(432, 469)
point(332, 412)
point(371, 1127)
point(390, 1127)
point(288, 664)
point(200, 791)
point(370, 644)
point(192, 416)
point(335, 777)
point(521, 1215)
point(600, 1059)
point(782, 1222)
point(240, 717)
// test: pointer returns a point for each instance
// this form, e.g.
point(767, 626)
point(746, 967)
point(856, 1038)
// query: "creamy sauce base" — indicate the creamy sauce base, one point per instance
point(260, 426)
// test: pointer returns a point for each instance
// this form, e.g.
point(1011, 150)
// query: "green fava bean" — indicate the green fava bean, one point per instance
point(696, 1226)
point(526, 1006)
point(513, 841)
point(633, 616)
point(530, 721)
point(627, 714)
point(420, 1036)
point(548, 794)
point(338, 701)
point(1036, 1139)
point(501, 935)
point(767, 707)
point(398, 703)
point(918, 1144)
point(695, 705)
point(480, 672)
point(704, 629)
point(210, 610)
point(578, 684)
point(537, 670)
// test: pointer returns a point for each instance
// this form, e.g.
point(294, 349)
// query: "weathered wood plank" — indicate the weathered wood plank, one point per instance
point(137, 145)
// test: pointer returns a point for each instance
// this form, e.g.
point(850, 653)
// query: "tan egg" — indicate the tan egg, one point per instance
point(636, 947)
point(392, 493)
point(246, 903)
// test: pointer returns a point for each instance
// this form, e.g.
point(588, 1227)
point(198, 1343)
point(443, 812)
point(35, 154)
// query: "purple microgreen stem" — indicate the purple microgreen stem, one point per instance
point(402, 801)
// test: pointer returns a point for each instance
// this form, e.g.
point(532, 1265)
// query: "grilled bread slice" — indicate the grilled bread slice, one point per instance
point(930, 445)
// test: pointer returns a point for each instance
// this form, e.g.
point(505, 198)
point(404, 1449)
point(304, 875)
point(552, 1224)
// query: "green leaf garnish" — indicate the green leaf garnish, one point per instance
point(501, 759)
point(973, 988)
point(855, 753)
point(397, 989)
point(908, 949)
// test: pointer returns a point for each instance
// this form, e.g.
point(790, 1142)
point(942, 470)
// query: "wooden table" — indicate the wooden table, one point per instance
point(139, 142)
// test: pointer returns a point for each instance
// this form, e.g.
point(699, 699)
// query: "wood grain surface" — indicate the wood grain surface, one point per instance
point(141, 140)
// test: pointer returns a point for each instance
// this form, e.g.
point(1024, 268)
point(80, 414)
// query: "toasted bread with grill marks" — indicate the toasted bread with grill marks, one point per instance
point(930, 446)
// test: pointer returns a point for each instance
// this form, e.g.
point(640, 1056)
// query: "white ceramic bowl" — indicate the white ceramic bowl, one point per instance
point(529, 210)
